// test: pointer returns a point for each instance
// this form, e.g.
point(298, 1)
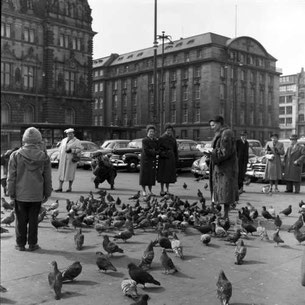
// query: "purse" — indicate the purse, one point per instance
point(270, 156)
point(75, 157)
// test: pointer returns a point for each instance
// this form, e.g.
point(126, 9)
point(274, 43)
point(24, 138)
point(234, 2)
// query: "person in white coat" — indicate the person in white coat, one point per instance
point(68, 149)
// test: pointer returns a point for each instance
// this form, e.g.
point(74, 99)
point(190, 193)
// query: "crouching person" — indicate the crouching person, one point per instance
point(103, 170)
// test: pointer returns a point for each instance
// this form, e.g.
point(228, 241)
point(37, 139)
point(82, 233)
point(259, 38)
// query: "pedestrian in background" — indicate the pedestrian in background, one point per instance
point(29, 185)
point(148, 160)
point(223, 165)
point(168, 158)
point(242, 149)
point(294, 159)
point(69, 150)
point(273, 170)
point(4, 168)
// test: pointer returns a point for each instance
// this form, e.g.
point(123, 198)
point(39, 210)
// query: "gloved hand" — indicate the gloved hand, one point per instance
point(69, 150)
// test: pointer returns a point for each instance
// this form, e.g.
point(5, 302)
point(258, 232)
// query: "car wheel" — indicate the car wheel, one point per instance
point(132, 165)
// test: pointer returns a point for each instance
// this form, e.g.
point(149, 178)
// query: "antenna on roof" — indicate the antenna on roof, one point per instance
point(235, 18)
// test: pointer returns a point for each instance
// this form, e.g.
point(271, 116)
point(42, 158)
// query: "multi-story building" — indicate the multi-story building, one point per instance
point(292, 105)
point(46, 67)
point(202, 76)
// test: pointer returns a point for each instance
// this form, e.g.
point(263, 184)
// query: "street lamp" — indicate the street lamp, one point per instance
point(161, 112)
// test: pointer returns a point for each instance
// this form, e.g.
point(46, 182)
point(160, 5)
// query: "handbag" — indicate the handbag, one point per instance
point(270, 156)
point(75, 157)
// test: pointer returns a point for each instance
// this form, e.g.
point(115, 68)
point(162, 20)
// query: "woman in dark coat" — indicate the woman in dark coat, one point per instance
point(223, 165)
point(148, 160)
point(168, 158)
point(242, 148)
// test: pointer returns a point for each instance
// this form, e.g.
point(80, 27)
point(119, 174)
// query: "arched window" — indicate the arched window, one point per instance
point(5, 114)
point(69, 116)
point(28, 116)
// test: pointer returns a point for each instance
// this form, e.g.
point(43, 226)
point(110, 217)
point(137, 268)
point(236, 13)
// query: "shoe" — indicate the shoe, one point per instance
point(288, 191)
point(162, 194)
point(276, 191)
point(58, 191)
point(68, 191)
point(20, 248)
point(33, 247)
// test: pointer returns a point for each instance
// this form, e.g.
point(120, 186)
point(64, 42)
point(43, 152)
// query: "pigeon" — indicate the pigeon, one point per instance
point(129, 288)
point(54, 213)
point(205, 239)
point(247, 181)
point(266, 214)
point(100, 228)
point(3, 230)
point(271, 210)
point(298, 224)
point(140, 276)
point(234, 237)
point(55, 280)
point(206, 186)
point(111, 247)
point(184, 185)
point(277, 221)
point(103, 262)
point(299, 236)
point(248, 227)
point(8, 219)
point(79, 239)
point(165, 242)
point(6, 205)
point(177, 246)
point(276, 237)
point(110, 198)
point(287, 211)
point(53, 206)
point(2, 289)
point(240, 252)
point(136, 196)
point(71, 272)
point(167, 262)
point(148, 256)
point(224, 288)
point(59, 223)
point(142, 301)
point(124, 235)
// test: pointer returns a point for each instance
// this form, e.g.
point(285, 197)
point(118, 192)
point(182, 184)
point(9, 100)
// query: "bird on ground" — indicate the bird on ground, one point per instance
point(60, 223)
point(177, 246)
point(234, 237)
point(140, 276)
point(224, 288)
point(148, 256)
point(68, 205)
point(278, 221)
point(110, 198)
point(266, 189)
point(298, 224)
point(111, 247)
point(53, 206)
point(206, 186)
point(54, 213)
point(55, 280)
point(287, 211)
point(266, 214)
point(3, 230)
point(164, 242)
point(129, 288)
point(6, 205)
point(299, 236)
point(184, 185)
point(2, 289)
point(118, 201)
point(71, 272)
point(42, 215)
point(199, 193)
point(103, 263)
point(167, 262)
point(100, 228)
point(247, 181)
point(8, 219)
point(79, 239)
point(124, 235)
point(142, 301)
point(135, 196)
point(248, 227)
point(240, 252)
point(205, 239)
point(271, 210)
point(276, 237)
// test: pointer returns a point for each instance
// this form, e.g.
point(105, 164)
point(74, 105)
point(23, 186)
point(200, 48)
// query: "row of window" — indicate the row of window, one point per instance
point(28, 34)
point(292, 88)
point(244, 58)
point(285, 110)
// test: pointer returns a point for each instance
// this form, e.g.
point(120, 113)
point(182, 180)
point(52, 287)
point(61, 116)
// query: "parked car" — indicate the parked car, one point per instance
point(110, 145)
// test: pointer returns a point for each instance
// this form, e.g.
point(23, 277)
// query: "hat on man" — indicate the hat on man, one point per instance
point(274, 135)
point(69, 130)
point(32, 136)
point(293, 137)
point(217, 119)
point(243, 133)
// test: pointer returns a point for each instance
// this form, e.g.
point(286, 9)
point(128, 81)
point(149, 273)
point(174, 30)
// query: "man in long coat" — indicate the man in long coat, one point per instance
point(223, 165)
point(66, 168)
point(294, 159)
point(242, 148)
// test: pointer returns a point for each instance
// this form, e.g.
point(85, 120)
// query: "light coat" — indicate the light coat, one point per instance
point(67, 168)
point(273, 169)
point(293, 172)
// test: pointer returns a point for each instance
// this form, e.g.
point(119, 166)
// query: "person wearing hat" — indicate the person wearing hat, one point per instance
point(68, 149)
point(242, 149)
point(223, 165)
point(293, 160)
point(29, 184)
point(273, 171)
point(168, 158)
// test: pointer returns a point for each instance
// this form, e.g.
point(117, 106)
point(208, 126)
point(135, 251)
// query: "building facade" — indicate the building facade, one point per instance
point(46, 66)
point(292, 105)
point(198, 77)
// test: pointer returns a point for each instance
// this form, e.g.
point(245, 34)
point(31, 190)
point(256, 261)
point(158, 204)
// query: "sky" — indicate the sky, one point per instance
point(128, 25)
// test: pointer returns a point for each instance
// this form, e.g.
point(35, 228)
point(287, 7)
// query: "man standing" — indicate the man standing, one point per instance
point(223, 165)
point(242, 148)
point(294, 158)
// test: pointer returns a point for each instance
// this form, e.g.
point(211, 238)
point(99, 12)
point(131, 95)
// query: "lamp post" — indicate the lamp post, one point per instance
point(161, 111)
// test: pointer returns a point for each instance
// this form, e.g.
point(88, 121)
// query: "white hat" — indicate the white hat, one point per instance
point(69, 130)
point(32, 136)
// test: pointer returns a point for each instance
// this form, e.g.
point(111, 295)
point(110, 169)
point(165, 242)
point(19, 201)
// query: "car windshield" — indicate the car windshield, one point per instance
point(135, 144)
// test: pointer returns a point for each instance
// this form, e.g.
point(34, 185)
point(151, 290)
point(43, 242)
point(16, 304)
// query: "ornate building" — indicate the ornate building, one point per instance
point(292, 105)
point(199, 77)
point(46, 66)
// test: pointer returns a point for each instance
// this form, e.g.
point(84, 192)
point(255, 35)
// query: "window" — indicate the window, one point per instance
point(185, 93)
point(125, 119)
point(282, 110)
point(260, 118)
point(69, 82)
point(242, 117)
point(96, 103)
point(96, 87)
point(261, 97)
point(115, 101)
point(251, 118)
point(288, 121)
point(28, 116)
point(101, 121)
point(173, 115)
point(185, 115)
point(199, 53)
point(183, 134)
point(5, 114)
point(185, 73)
point(69, 116)
point(101, 103)
point(63, 41)
point(134, 82)
point(115, 85)
point(186, 56)
point(222, 71)
point(196, 135)
point(222, 91)
point(289, 110)
point(282, 99)
point(28, 35)
point(282, 120)
point(173, 75)
point(242, 75)
point(101, 86)
point(175, 58)
point(5, 74)
point(5, 30)
point(301, 118)
point(95, 120)
point(124, 101)
point(197, 92)
point(197, 114)
point(173, 93)
point(28, 77)
point(134, 99)
point(124, 84)
point(134, 118)
point(197, 71)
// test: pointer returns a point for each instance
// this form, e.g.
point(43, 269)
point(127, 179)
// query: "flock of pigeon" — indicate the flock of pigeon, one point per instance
point(166, 217)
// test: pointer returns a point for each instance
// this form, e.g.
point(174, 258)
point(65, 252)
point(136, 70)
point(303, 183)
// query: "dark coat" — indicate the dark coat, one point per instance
point(273, 170)
point(224, 168)
point(168, 158)
point(242, 150)
point(148, 161)
point(293, 172)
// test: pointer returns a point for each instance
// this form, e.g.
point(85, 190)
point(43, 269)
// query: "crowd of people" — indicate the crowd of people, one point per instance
point(30, 166)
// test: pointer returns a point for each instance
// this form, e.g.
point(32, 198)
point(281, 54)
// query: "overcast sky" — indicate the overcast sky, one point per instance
point(128, 25)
